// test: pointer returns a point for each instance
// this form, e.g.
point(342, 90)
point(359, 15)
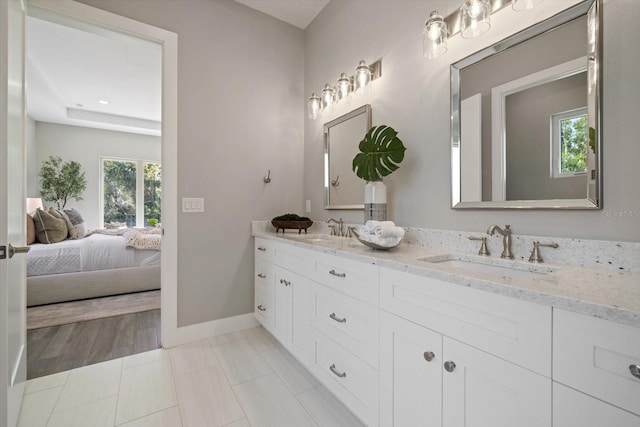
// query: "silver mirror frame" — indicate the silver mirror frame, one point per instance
point(593, 9)
point(365, 109)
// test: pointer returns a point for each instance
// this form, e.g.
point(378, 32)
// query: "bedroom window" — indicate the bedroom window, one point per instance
point(569, 143)
point(131, 192)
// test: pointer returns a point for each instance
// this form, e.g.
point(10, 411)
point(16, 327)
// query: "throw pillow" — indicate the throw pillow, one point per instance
point(31, 230)
point(50, 226)
point(77, 224)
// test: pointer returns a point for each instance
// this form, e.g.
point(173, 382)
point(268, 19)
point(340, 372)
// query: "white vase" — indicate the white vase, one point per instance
point(375, 201)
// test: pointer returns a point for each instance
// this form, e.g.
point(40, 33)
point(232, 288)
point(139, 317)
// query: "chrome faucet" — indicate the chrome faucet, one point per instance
point(506, 239)
point(339, 223)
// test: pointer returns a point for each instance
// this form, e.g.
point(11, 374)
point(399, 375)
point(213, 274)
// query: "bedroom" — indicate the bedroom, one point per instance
point(79, 281)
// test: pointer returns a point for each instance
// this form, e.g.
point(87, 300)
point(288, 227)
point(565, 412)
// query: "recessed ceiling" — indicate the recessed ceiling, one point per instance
point(93, 78)
point(299, 13)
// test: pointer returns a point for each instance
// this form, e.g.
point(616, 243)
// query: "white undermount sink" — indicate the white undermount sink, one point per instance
point(313, 237)
point(495, 266)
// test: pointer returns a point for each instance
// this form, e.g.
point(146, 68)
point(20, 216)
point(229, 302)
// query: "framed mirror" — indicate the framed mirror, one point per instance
point(526, 118)
point(343, 188)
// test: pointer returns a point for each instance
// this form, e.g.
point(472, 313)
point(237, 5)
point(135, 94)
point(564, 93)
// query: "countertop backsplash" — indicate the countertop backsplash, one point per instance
point(596, 254)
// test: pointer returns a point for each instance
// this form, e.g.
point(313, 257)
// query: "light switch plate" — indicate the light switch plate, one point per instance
point(192, 204)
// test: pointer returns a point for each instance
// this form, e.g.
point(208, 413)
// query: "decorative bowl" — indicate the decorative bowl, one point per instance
point(292, 225)
point(373, 245)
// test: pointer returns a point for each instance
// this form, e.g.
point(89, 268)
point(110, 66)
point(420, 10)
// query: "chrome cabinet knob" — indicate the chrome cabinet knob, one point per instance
point(261, 248)
point(262, 276)
point(635, 370)
point(429, 356)
point(449, 366)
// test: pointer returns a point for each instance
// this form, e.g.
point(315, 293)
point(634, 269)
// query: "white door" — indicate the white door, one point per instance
point(12, 212)
point(479, 389)
point(410, 374)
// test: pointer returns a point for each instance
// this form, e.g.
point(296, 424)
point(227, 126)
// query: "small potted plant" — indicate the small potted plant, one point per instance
point(381, 151)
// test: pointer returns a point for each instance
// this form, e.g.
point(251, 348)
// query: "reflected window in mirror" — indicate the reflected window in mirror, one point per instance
point(505, 99)
point(343, 188)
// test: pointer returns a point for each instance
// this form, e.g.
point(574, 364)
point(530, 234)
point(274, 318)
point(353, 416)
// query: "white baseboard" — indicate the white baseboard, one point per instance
point(200, 331)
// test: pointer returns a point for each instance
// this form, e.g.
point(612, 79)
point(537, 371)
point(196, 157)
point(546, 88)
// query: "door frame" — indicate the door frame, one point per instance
point(71, 11)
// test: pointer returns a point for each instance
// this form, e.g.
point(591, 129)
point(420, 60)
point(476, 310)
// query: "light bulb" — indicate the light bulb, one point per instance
point(475, 19)
point(314, 106)
point(327, 96)
point(362, 76)
point(343, 88)
point(434, 36)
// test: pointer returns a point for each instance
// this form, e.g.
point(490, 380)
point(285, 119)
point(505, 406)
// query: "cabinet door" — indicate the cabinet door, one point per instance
point(572, 408)
point(301, 344)
point(410, 374)
point(282, 306)
point(483, 390)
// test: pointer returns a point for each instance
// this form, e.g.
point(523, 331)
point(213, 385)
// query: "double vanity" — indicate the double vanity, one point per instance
point(428, 334)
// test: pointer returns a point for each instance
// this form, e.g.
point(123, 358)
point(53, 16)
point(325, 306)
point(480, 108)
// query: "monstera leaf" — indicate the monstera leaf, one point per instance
point(381, 151)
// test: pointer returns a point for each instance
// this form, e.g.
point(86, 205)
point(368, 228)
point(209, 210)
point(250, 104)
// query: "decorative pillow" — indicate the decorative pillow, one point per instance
point(31, 230)
point(50, 226)
point(77, 229)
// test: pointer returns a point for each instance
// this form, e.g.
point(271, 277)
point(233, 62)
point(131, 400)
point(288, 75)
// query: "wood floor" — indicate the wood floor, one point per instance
point(60, 348)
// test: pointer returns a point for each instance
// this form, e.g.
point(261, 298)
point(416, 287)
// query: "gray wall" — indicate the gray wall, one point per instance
point(528, 138)
point(240, 112)
point(413, 97)
point(86, 146)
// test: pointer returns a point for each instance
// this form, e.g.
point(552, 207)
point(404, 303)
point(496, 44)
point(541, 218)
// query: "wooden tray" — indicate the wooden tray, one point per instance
point(292, 225)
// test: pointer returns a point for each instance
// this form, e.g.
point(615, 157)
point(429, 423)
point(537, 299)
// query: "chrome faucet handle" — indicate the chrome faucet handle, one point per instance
point(333, 229)
point(483, 246)
point(535, 253)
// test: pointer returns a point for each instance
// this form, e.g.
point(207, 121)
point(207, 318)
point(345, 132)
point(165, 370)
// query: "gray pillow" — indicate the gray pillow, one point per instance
point(78, 229)
point(51, 227)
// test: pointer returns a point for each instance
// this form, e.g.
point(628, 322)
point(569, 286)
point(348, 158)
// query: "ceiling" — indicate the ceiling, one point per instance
point(299, 13)
point(82, 75)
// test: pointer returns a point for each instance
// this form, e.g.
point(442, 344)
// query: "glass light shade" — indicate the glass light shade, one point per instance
point(314, 106)
point(362, 77)
point(475, 19)
point(434, 36)
point(327, 95)
point(343, 88)
point(522, 5)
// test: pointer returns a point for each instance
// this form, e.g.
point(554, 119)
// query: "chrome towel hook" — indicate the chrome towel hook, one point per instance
point(336, 182)
point(267, 179)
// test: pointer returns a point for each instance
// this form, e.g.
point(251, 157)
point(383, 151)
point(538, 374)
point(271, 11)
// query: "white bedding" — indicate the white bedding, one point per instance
point(96, 252)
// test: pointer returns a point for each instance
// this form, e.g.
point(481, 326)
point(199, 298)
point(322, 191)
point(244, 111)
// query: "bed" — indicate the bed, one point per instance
point(98, 265)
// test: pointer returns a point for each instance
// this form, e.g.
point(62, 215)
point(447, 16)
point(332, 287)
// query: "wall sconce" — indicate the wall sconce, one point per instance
point(472, 20)
point(344, 89)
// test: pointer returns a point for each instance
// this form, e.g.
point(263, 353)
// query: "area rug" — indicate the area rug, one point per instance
point(78, 311)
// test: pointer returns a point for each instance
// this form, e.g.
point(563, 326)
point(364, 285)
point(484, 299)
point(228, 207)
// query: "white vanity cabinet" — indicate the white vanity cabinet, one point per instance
point(283, 295)
point(345, 322)
point(464, 361)
point(598, 358)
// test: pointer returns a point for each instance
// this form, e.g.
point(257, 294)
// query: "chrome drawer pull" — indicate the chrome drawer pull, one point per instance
point(284, 282)
point(449, 366)
point(261, 248)
point(261, 308)
point(262, 276)
point(336, 372)
point(334, 317)
point(333, 273)
point(635, 370)
point(428, 356)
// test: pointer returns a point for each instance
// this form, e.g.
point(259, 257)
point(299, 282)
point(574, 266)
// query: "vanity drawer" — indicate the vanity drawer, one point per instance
point(263, 309)
point(264, 249)
point(515, 330)
point(351, 323)
point(572, 408)
point(264, 275)
point(357, 279)
point(293, 258)
point(597, 357)
point(354, 382)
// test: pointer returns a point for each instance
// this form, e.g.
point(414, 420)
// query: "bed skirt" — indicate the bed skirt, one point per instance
point(91, 284)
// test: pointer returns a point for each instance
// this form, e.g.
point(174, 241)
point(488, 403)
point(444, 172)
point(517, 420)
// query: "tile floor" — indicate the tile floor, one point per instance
point(236, 380)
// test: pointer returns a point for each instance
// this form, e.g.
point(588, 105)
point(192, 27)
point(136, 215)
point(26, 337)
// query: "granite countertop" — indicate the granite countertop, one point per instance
point(607, 294)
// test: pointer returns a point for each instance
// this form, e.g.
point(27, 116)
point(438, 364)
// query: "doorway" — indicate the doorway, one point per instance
point(83, 114)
